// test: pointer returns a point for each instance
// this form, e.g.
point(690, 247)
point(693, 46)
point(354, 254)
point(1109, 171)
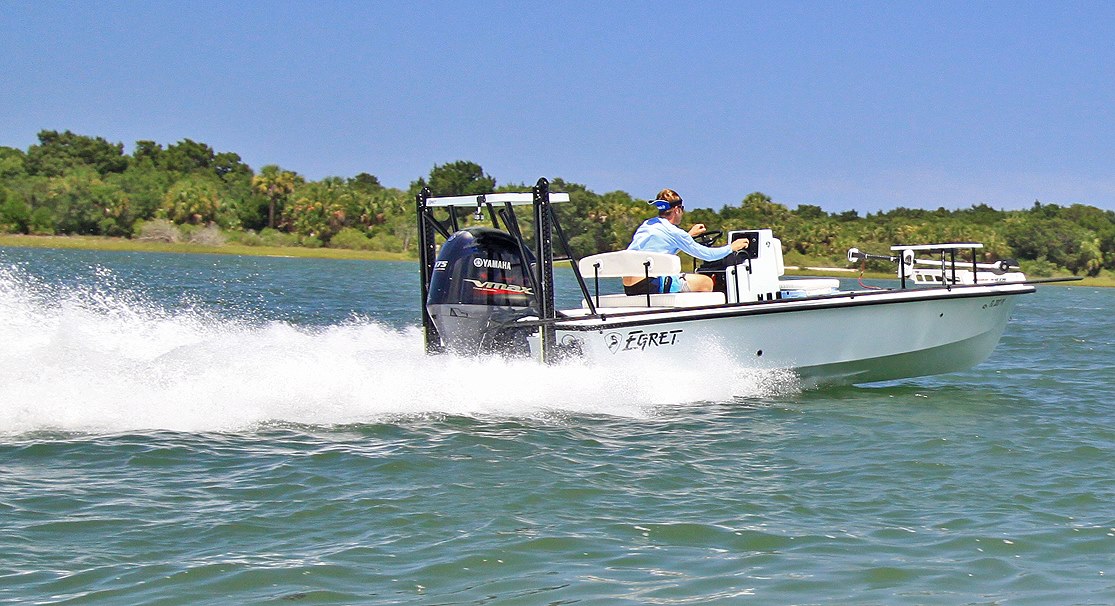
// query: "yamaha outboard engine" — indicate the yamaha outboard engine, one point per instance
point(480, 284)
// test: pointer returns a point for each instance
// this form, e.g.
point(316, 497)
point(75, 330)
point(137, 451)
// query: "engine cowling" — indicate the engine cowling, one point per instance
point(480, 283)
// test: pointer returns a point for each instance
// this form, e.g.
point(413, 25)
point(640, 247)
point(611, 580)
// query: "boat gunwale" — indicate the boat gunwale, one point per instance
point(754, 308)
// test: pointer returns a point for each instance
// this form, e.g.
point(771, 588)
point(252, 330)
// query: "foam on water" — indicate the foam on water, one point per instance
point(103, 358)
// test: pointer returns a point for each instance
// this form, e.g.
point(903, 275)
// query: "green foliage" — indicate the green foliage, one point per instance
point(981, 214)
point(145, 185)
point(388, 242)
point(276, 185)
point(320, 209)
point(274, 237)
point(1040, 268)
point(366, 183)
point(1058, 240)
point(594, 222)
point(42, 222)
point(459, 178)
point(15, 214)
point(230, 168)
point(809, 212)
point(13, 163)
point(58, 153)
point(187, 156)
point(351, 237)
point(194, 200)
point(758, 209)
point(247, 238)
point(80, 202)
point(75, 184)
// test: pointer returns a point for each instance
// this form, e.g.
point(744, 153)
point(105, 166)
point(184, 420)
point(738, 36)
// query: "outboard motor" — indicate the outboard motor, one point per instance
point(480, 283)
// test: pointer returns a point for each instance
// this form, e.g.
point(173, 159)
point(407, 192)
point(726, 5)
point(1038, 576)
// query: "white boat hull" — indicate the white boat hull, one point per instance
point(852, 339)
point(482, 288)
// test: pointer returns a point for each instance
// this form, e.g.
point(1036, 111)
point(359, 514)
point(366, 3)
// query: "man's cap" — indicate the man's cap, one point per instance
point(663, 205)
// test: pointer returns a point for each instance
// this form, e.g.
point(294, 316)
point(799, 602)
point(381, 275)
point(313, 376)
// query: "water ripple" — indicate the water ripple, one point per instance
point(260, 486)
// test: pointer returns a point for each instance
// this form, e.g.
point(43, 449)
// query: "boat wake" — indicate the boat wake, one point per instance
point(105, 359)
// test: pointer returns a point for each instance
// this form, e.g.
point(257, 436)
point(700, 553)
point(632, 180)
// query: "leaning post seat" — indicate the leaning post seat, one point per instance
point(623, 263)
point(667, 299)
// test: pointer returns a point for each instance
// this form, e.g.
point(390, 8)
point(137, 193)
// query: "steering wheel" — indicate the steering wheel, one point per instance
point(708, 238)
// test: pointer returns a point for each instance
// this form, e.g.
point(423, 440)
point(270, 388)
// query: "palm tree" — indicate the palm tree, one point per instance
point(275, 183)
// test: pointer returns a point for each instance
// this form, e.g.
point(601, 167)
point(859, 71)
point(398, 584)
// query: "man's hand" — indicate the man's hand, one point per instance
point(697, 230)
point(738, 245)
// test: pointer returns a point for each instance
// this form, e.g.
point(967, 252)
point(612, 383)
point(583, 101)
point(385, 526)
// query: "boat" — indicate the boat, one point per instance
point(490, 290)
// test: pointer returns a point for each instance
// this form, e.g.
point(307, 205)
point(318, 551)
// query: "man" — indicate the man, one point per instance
point(662, 234)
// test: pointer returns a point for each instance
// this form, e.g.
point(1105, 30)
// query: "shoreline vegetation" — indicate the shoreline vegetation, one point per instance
point(77, 191)
point(105, 243)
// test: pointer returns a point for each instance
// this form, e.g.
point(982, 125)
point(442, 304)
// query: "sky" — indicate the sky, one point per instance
point(844, 105)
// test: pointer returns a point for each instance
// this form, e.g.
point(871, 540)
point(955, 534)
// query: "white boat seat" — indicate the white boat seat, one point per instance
point(623, 263)
point(668, 299)
point(620, 263)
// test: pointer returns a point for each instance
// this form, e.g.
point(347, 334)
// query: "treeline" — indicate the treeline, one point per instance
point(75, 184)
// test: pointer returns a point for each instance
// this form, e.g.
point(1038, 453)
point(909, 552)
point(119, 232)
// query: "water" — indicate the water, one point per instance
point(220, 430)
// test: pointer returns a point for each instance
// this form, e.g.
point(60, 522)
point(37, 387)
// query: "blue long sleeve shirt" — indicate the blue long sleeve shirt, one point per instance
point(659, 235)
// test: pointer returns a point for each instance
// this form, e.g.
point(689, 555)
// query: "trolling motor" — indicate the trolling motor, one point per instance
point(947, 270)
point(855, 255)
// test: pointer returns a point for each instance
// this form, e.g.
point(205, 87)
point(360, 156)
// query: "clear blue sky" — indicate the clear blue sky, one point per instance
point(844, 105)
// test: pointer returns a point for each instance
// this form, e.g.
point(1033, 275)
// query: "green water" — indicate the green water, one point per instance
point(212, 430)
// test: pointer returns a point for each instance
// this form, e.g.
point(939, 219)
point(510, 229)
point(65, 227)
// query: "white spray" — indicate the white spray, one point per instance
point(106, 359)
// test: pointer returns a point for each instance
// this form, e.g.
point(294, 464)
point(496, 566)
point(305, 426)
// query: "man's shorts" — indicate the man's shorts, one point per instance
point(664, 284)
